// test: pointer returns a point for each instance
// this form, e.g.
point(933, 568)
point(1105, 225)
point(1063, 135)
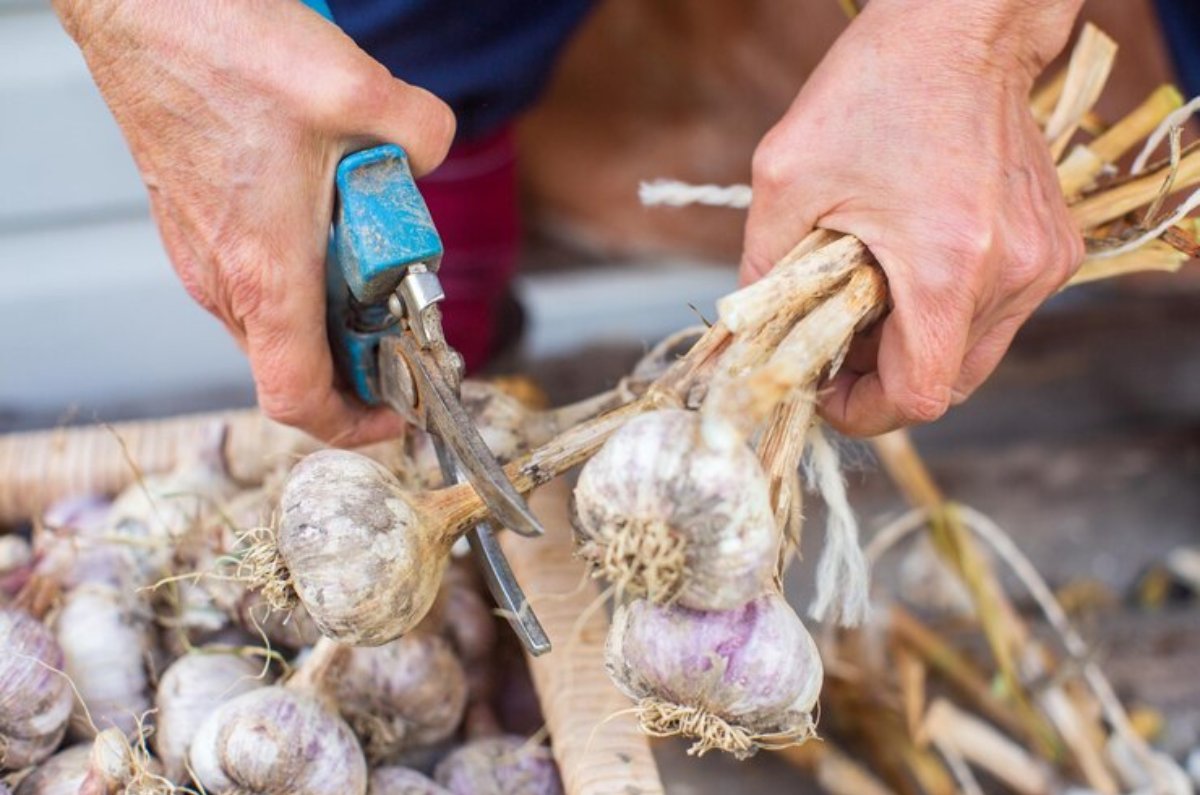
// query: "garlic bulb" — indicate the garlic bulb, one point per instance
point(507, 765)
point(409, 692)
point(106, 644)
point(395, 780)
point(663, 516)
point(276, 740)
point(151, 516)
point(35, 698)
point(358, 554)
point(108, 765)
point(61, 774)
point(16, 565)
point(736, 680)
point(71, 545)
point(190, 689)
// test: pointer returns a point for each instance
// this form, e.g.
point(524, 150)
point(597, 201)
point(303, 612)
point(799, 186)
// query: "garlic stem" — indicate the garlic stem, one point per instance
point(818, 339)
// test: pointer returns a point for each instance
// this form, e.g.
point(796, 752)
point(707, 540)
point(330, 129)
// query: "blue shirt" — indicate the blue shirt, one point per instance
point(488, 59)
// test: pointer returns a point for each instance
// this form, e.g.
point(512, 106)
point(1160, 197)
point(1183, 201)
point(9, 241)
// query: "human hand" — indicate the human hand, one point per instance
point(237, 115)
point(914, 134)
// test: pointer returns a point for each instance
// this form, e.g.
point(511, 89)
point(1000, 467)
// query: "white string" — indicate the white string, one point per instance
point(673, 193)
point(1176, 118)
point(1181, 212)
point(843, 579)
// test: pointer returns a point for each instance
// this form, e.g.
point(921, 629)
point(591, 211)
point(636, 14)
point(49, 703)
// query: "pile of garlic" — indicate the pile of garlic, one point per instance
point(134, 660)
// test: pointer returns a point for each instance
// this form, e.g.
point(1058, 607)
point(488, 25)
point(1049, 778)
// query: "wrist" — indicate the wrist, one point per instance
point(1018, 35)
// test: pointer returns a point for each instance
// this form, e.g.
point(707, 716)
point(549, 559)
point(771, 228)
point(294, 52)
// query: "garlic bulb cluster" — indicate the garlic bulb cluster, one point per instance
point(106, 642)
point(273, 740)
point(190, 690)
point(736, 680)
point(35, 699)
point(663, 516)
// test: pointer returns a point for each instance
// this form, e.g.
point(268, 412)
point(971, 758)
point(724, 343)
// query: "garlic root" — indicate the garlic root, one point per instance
point(661, 515)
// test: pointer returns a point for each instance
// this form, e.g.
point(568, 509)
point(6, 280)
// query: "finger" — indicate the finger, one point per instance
point(295, 378)
point(920, 355)
point(863, 356)
point(983, 358)
point(410, 117)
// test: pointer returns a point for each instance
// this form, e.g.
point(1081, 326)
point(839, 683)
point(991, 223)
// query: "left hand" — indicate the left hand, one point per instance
point(915, 135)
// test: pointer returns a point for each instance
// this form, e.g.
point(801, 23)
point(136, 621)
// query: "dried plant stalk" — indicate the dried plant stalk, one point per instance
point(972, 684)
point(1112, 203)
point(1091, 63)
point(780, 449)
point(1154, 256)
point(1086, 161)
point(816, 265)
point(983, 746)
point(1045, 97)
point(816, 341)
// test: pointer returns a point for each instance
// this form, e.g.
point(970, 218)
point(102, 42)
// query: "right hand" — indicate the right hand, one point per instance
point(237, 115)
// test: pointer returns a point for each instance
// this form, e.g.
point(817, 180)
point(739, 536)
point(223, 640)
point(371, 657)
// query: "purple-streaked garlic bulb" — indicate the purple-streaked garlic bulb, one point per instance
point(189, 691)
point(276, 740)
point(407, 693)
point(662, 516)
point(506, 765)
point(35, 698)
point(396, 780)
point(107, 642)
point(735, 680)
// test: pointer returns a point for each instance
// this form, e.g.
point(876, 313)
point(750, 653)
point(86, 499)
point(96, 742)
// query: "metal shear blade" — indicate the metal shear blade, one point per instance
point(436, 402)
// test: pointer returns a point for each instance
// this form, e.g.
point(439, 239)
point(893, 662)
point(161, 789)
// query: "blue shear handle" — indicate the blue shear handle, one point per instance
point(321, 7)
point(381, 226)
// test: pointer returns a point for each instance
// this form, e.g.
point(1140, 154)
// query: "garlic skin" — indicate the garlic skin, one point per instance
point(507, 765)
point(71, 547)
point(396, 780)
point(106, 643)
point(61, 774)
point(35, 698)
point(190, 690)
point(665, 517)
point(734, 680)
point(153, 515)
point(275, 740)
point(16, 565)
point(359, 557)
point(405, 694)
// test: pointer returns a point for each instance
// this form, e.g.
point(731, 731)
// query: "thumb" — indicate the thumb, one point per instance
point(414, 119)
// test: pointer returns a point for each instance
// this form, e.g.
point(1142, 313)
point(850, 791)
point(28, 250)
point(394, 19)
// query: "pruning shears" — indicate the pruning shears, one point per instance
point(385, 327)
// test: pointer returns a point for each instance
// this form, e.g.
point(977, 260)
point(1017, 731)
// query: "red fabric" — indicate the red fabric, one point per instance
point(472, 197)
